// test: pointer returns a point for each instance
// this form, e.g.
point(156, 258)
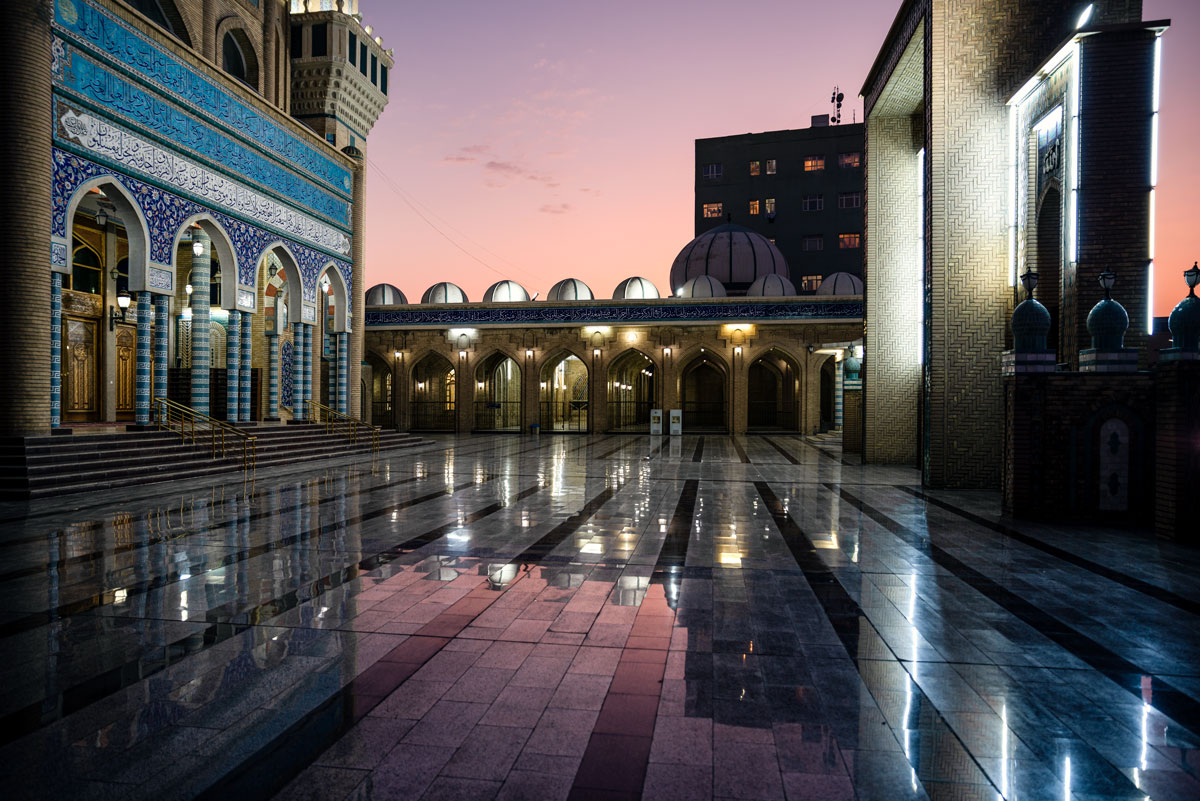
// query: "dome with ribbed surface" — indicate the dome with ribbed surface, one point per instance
point(732, 254)
point(1107, 322)
point(385, 295)
point(841, 284)
point(570, 289)
point(1030, 325)
point(505, 292)
point(771, 286)
point(636, 288)
point(702, 286)
point(444, 292)
point(1184, 324)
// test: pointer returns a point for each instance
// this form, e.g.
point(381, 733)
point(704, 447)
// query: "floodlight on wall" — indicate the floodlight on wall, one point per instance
point(1086, 16)
point(123, 300)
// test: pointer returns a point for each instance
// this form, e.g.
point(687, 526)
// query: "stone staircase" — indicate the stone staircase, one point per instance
point(40, 467)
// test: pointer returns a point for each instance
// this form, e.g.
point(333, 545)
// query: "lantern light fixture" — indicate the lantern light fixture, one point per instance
point(197, 247)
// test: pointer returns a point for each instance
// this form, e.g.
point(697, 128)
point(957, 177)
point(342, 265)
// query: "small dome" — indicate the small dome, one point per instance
point(771, 286)
point(1107, 322)
point(385, 295)
point(851, 366)
point(732, 254)
point(505, 292)
point(841, 284)
point(702, 286)
point(635, 289)
point(1184, 323)
point(1030, 325)
point(570, 289)
point(444, 292)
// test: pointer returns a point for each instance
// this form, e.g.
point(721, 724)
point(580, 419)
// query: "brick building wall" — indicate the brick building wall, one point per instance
point(1177, 450)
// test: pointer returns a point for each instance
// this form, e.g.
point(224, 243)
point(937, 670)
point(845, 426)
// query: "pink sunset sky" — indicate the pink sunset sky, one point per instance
point(540, 139)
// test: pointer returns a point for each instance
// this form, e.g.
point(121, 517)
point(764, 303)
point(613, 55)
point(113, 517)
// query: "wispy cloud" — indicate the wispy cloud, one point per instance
point(555, 208)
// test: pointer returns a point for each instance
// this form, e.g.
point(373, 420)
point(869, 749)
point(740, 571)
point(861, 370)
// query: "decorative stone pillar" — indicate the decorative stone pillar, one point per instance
point(343, 351)
point(837, 396)
point(161, 324)
point(273, 377)
point(201, 357)
point(357, 305)
point(233, 360)
point(244, 376)
point(333, 371)
point(298, 371)
point(141, 375)
point(55, 350)
point(308, 371)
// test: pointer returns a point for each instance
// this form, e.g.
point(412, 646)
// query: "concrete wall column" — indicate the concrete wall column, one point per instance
point(161, 324)
point(233, 361)
point(297, 371)
point(343, 356)
point(245, 374)
point(141, 375)
point(25, 161)
point(357, 290)
point(273, 379)
point(201, 357)
point(55, 350)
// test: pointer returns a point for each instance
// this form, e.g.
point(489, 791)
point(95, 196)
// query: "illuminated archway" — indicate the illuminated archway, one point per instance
point(498, 394)
point(772, 392)
point(563, 393)
point(703, 391)
point(432, 402)
point(631, 391)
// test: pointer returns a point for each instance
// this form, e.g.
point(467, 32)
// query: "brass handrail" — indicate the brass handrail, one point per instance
point(333, 418)
point(176, 417)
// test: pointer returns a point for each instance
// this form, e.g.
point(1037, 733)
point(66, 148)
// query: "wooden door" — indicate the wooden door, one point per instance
point(126, 370)
point(81, 371)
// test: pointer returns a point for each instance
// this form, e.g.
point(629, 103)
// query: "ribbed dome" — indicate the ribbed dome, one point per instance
point(1107, 322)
point(635, 289)
point(1030, 325)
point(771, 286)
point(570, 289)
point(444, 292)
point(1184, 323)
point(732, 254)
point(702, 286)
point(385, 295)
point(841, 284)
point(505, 292)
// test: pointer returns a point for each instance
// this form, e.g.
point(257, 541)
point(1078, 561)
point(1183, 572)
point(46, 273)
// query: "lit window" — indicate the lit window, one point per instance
point(713, 210)
point(814, 163)
point(809, 283)
point(712, 172)
point(770, 166)
point(770, 203)
point(848, 241)
point(850, 160)
point(772, 241)
point(754, 207)
point(813, 203)
point(813, 243)
point(849, 200)
point(754, 167)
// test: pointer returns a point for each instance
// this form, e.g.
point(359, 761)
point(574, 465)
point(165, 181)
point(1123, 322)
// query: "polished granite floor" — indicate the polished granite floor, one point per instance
point(610, 617)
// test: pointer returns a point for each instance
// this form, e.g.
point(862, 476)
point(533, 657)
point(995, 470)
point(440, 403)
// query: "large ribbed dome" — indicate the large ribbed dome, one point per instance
point(635, 288)
point(771, 286)
point(444, 292)
point(702, 286)
point(505, 292)
point(385, 295)
point(570, 289)
point(732, 254)
point(841, 284)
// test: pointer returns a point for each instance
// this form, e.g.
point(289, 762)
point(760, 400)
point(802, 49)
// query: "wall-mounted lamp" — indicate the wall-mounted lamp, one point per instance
point(462, 354)
point(101, 218)
point(188, 289)
point(666, 351)
point(197, 247)
point(528, 354)
point(479, 384)
point(325, 283)
point(398, 355)
point(543, 385)
point(737, 351)
point(596, 352)
point(812, 348)
point(123, 302)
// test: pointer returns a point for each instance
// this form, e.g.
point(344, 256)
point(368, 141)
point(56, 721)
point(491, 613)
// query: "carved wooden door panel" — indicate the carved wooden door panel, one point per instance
point(126, 369)
point(81, 401)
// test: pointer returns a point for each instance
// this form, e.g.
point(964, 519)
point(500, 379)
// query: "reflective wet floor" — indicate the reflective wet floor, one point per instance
point(579, 617)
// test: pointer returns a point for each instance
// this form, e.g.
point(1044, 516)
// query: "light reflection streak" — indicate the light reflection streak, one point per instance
point(1067, 778)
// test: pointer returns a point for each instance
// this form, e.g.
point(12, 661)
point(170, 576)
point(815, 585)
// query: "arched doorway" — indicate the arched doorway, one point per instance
point(564, 394)
point(772, 391)
point(1049, 259)
point(702, 393)
point(498, 394)
point(383, 413)
point(431, 407)
point(631, 392)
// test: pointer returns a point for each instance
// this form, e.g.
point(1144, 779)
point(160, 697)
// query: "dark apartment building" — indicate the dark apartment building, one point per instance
point(802, 189)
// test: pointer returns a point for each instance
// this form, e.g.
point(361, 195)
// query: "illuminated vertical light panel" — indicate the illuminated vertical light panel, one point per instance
point(1153, 180)
point(1013, 164)
point(1073, 154)
point(920, 315)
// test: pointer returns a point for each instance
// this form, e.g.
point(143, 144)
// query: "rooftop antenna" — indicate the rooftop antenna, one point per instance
point(836, 98)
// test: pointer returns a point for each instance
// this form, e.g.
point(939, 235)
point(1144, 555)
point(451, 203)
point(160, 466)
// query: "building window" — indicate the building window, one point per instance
point(754, 207)
point(849, 200)
point(331, 139)
point(770, 166)
point(713, 210)
point(374, 67)
point(353, 50)
point(754, 167)
point(813, 243)
point(770, 204)
point(320, 40)
point(712, 172)
point(849, 241)
point(362, 58)
point(86, 270)
point(814, 203)
point(232, 60)
point(297, 41)
point(383, 79)
point(809, 283)
point(814, 163)
point(850, 160)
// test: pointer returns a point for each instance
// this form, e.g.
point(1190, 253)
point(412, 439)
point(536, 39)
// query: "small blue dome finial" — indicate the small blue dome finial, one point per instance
point(1184, 321)
point(1030, 320)
point(1108, 321)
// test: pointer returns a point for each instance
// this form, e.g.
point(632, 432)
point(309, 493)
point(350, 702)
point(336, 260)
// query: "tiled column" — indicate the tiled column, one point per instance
point(343, 353)
point(273, 379)
point(245, 375)
point(55, 350)
point(837, 396)
point(297, 371)
point(141, 375)
point(161, 322)
point(200, 323)
point(331, 400)
point(308, 370)
point(233, 360)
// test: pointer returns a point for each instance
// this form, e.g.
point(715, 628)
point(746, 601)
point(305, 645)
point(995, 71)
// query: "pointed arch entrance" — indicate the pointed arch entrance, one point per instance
point(631, 392)
point(432, 403)
point(498, 394)
point(772, 392)
point(564, 394)
point(703, 393)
